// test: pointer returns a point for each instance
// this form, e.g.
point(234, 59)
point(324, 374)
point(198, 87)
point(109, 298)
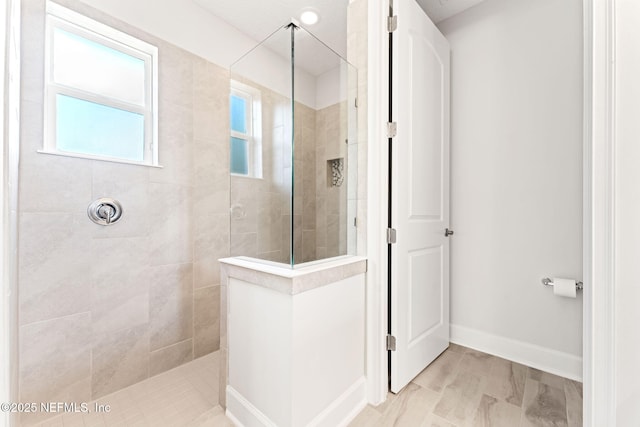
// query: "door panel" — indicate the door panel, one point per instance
point(420, 194)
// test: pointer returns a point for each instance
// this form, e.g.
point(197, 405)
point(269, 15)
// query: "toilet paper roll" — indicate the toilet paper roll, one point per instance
point(564, 287)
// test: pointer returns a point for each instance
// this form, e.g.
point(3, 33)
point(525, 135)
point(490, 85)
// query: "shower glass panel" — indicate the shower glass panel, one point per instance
point(293, 151)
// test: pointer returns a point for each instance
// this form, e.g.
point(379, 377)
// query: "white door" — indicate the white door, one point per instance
point(419, 193)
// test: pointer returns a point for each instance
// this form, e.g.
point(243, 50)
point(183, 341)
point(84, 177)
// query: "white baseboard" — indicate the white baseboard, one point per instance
point(338, 414)
point(243, 413)
point(552, 361)
point(345, 408)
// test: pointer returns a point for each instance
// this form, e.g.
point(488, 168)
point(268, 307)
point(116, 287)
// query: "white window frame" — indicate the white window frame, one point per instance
point(59, 17)
point(253, 136)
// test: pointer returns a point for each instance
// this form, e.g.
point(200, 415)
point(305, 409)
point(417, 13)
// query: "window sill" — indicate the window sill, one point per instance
point(103, 159)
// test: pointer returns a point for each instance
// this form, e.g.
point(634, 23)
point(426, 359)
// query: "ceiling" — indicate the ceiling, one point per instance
point(259, 18)
point(439, 10)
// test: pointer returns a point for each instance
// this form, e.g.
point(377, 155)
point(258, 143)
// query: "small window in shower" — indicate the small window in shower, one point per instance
point(245, 151)
point(101, 91)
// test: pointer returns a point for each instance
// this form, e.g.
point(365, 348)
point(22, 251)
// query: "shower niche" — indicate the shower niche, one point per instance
point(293, 152)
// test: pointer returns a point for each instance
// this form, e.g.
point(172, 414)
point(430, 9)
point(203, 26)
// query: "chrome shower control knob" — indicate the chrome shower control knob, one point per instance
point(104, 211)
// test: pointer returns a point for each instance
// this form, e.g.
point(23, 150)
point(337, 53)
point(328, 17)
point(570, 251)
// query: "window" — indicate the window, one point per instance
point(245, 144)
point(100, 91)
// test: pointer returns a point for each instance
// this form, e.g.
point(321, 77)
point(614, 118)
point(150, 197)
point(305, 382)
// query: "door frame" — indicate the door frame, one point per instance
point(377, 197)
point(598, 236)
point(598, 214)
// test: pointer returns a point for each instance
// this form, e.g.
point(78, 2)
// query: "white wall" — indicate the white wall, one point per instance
point(331, 87)
point(627, 208)
point(516, 178)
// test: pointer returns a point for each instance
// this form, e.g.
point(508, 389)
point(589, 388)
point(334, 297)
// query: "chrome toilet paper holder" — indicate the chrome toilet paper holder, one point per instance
point(548, 282)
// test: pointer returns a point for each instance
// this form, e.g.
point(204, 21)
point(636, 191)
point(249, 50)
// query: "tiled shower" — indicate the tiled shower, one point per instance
point(105, 307)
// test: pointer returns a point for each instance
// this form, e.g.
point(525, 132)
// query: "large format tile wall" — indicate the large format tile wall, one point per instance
point(331, 144)
point(261, 208)
point(104, 307)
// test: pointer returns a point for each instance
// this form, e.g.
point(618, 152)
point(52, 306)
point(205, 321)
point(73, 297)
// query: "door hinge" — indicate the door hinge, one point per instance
point(392, 129)
point(391, 343)
point(391, 235)
point(392, 23)
point(355, 103)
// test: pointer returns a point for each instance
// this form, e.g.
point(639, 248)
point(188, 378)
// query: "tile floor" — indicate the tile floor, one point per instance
point(186, 396)
point(462, 388)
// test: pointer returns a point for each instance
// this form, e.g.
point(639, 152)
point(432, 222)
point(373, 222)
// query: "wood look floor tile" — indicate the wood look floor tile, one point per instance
point(546, 378)
point(441, 372)
point(410, 408)
point(435, 421)
point(461, 398)
point(506, 381)
point(366, 418)
point(573, 393)
point(543, 406)
point(476, 362)
point(493, 412)
point(457, 348)
point(382, 408)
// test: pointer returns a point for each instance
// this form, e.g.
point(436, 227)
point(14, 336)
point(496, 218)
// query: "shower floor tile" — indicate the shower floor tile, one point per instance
point(186, 396)
point(467, 388)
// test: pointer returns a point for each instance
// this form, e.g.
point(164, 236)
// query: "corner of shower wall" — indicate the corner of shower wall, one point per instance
point(303, 207)
point(357, 54)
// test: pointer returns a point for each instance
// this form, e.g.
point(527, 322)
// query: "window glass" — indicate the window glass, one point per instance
point(238, 114)
point(89, 128)
point(84, 64)
point(239, 156)
point(101, 93)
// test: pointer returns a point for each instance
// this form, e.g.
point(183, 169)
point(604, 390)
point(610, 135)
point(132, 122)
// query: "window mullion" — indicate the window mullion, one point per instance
point(97, 98)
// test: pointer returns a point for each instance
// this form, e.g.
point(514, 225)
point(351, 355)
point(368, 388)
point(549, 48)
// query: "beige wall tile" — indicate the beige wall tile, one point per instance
point(119, 284)
point(119, 359)
point(31, 137)
point(244, 244)
point(211, 163)
point(170, 233)
point(65, 187)
point(32, 52)
point(129, 184)
point(169, 357)
point(54, 265)
point(170, 304)
point(175, 77)
point(206, 320)
point(55, 361)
